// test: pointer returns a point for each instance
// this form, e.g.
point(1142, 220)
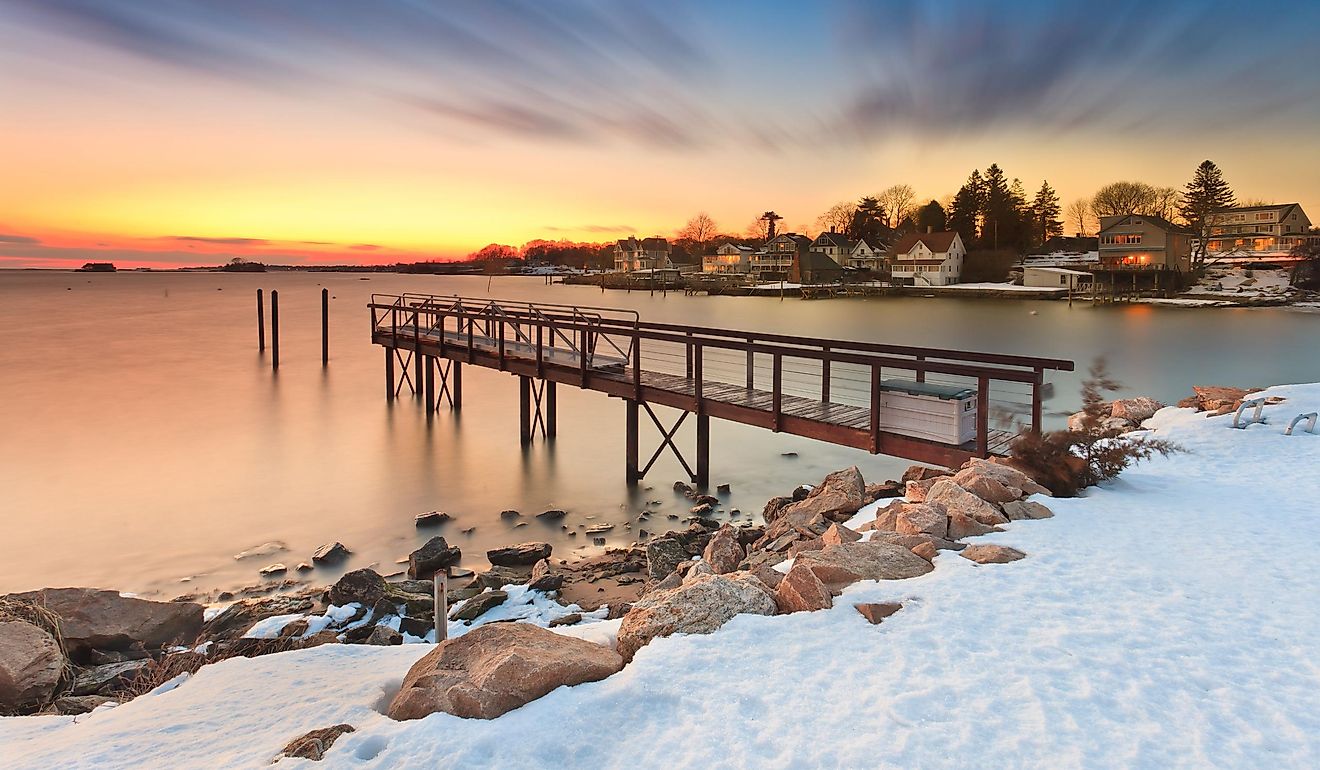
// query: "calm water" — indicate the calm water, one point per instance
point(143, 439)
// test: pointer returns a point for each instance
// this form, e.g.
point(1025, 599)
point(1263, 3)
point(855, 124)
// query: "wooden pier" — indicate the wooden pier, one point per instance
point(829, 390)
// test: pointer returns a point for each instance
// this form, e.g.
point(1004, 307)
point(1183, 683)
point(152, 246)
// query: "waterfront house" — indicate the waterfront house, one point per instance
point(729, 258)
point(1057, 278)
point(836, 246)
point(631, 254)
point(776, 262)
point(815, 267)
point(865, 256)
point(1143, 242)
point(1258, 231)
point(927, 259)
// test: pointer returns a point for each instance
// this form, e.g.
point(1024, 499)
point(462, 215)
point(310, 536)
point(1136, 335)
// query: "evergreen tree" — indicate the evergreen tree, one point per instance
point(968, 208)
point(868, 222)
point(1045, 213)
point(1000, 224)
point(1202, 199)
point(931, 217)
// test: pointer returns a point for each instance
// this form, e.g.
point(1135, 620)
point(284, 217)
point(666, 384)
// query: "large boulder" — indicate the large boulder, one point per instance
point(362, 586)
point(497, 668)
point(838, 566)
point(544, 577)
point(107, 678)
point(91, 618)
point(31, 666)
point(1211, 398)
point(520, 555)
point(955, 499)
point(700, 605)
point(1026, 509)
point(1006, 474)
point(921, 519)
point(1135, 410)
point(663, 555)
point(990, 553)
point(802, 591)
point(435, 555)
point(916, 490)
point(985, 486)
point(961, 526)
point(723, 551)
point(836, 498)
point(478, 605)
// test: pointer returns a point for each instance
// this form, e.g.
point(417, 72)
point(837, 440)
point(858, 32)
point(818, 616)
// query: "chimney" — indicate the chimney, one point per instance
point(930, 229)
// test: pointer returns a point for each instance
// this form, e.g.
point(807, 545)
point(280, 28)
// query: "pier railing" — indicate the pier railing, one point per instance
point(787, 377)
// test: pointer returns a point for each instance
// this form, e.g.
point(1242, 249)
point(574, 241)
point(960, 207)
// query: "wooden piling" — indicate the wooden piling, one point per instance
point(261, 322)
point(551, 410)
point(441, 605)
point(325, 327)
point(389, 374)
point(274, 329)
point(630, 443)
point(525, 409)
point(703, 450)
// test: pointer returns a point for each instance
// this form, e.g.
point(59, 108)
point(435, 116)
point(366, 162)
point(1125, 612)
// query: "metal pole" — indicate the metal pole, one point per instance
point(325, 326)
point(441, 605)
point(274, 329)
point(261, 322)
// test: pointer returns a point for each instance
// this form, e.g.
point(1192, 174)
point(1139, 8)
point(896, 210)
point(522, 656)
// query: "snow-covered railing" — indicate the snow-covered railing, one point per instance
point(1258, 403)
point(1310, 423)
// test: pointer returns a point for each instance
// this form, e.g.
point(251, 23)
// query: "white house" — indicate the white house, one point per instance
point(647, 254)
point(927, 259)
point(1056, 278)
point(836, 246)
point(729, 258)
point(866, 256)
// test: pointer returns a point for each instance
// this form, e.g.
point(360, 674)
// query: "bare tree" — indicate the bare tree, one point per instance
point(837, 217)
point(1164, 203)
point(1121, 198)
point(1080, 216)
point(1254, 202)
point(700, 229)
point(898, 202)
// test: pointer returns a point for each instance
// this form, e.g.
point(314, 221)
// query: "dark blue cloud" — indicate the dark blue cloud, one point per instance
point(18, 239)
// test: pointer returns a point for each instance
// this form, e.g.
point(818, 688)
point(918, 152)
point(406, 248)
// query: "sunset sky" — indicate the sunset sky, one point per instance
point(305, 131)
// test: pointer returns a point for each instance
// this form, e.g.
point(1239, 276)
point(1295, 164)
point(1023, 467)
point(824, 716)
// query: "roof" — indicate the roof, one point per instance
point(815, 260)
point(937, 242)
point(834, 239)
point(629, 244)
point(1159, 222)
point(1235, 209)
point(900, 264)
point(655, 244)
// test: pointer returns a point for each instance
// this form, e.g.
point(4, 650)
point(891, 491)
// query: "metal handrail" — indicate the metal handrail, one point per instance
point(1310, 423)
point(1258, 403)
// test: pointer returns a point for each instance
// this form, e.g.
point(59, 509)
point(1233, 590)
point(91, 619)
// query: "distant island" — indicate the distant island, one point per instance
point(98, 267)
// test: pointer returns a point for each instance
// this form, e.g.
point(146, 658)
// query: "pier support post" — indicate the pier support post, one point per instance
point(630, 443)
point(525, 409)
point(703, 450)
point(389, 373)
point(325, 327)
point(428, 366)
point(551, 410)
point(261, 322)
point(274, 330)
point(456, 391)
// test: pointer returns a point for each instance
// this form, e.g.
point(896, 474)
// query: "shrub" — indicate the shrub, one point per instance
point(1070, 460)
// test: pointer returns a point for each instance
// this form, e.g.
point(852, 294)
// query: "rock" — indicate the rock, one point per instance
point(1117, 424)
point(435, 555)
point(912, 541)
point(1006, 474)
point(961, 526)
point(1214, 397)
point(704, 509)
point(522, 554)
point(553, 513)
point(837, 534)
point(93, 618)
point(314, 744)
point(802, 591)
point(112, 676)
point(431, 518)
point(1135, 410)
point(921, 519)
point(684, 488)
point(544, 578)
point(510, 514)
point(663, 555)
point(384, 636)
point(774, 508)
point(723, 489)
point(989, 553)
point(496, 668)
point(295, 629)
point(706, 500)
point(955, 499)
point(330, 552)
point(876, 612)
point(102, 657)
point(31, 665)
point(418, 627)
point(922, 472)
point(723, 551)
point(363, 586)
point(72, 705)
point(1077, 422)
point(305, 567)
point(917, 489)
point(273, 569)
point(800, 546)
point(883, 491)
point(1026, 509)
point(838, 566)
point(768, 575)
point(265, 549)
point(985, 486)
point(566, 620)
point(699, 606)
point(926, 551)
point(837, 497)
point(478, 605)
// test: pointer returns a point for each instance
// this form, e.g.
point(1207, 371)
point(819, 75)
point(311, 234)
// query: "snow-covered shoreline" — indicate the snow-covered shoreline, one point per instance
point(1166, 619)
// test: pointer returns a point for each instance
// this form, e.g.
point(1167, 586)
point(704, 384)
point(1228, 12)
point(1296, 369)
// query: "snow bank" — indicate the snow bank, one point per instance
point(1165, 620)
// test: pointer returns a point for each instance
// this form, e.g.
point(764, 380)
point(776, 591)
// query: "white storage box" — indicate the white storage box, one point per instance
point(943, 413)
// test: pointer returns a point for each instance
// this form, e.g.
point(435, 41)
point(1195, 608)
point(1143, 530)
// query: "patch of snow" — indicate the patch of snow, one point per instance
point(999, 287)
point(270, 628)
point(1164, 620)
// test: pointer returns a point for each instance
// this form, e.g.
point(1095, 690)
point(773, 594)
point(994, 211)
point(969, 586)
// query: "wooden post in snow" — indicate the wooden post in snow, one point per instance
point(441, 605)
